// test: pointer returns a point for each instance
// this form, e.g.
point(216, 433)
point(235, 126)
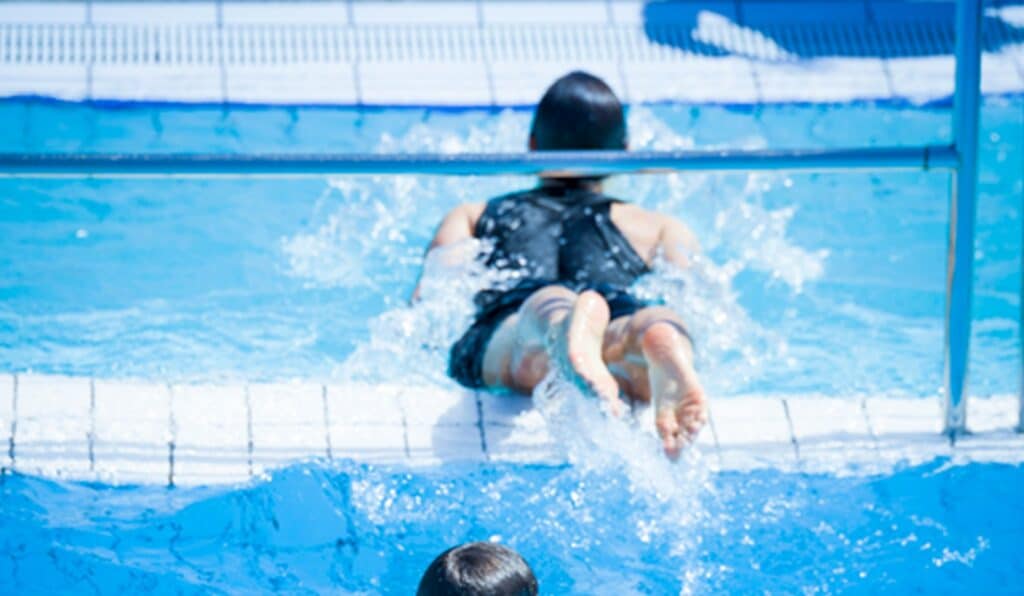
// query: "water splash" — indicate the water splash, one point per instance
point(372, 229)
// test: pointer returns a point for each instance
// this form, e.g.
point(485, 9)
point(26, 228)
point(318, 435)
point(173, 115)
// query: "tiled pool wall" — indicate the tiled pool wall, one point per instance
point(496, 53)
point(154, 433)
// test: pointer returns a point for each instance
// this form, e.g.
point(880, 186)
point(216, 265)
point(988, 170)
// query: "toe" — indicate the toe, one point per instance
point(669, 431)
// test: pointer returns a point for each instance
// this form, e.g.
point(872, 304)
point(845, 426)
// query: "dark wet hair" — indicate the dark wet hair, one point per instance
point(579, 111)
point(478, 569)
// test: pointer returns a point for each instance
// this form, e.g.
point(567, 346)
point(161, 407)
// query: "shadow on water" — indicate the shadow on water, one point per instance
point(890, 29)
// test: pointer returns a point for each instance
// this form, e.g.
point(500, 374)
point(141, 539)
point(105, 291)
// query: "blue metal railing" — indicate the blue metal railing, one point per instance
point(961, 158)
point(963, 205)
point(548, 162)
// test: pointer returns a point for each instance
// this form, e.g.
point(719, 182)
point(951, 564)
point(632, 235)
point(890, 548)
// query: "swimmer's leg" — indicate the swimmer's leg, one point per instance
point(553, 325)
point(578, 347)
point(516, 356)
point(652, 355)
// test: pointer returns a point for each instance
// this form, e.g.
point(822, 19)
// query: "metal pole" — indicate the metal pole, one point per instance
point(550, 163)
point(960, 272)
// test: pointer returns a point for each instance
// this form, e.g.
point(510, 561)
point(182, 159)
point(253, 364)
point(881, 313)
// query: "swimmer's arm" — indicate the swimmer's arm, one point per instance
point(676, 242)
point(457, 226)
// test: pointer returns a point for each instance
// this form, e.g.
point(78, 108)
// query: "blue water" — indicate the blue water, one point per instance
point(351, 528)
point(200, 279)
point(811, 283)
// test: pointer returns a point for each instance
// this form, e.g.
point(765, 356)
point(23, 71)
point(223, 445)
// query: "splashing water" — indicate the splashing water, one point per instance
point(375, 227)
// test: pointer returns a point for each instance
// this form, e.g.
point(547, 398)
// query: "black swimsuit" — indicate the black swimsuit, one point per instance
point(557, 234)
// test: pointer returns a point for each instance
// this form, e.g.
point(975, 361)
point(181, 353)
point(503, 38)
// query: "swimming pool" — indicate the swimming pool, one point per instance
point(825, 284)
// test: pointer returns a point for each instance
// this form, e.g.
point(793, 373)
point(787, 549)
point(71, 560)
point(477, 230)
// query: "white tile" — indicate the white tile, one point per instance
point(822, 80)
point(750, 421)
point(908, 430)
point(209, 472)
point(368, 442)
point(752, 433)
point(327, 84)
point(366, 422)
point(52, 435)
point(287, 423)
point(997, 413)
point(627, 12)
point(827, 419)
point(43, 12)
point(409, 12)
point(515, 432)
point(7, 383)
point(1000, 74)
point(195, 83)
point(922, 79)
point(360, 404)
point(133, 432)
point(1005, 447)
point(543, 12)
point(694, 79)
point(523, 83)
point(903, 417)
point(430, 405)
point(320, 13)
point(445, 443)
point(832, 434)
point(424, 83)
point(211, 433)
point(156, 13)
point(61, 82)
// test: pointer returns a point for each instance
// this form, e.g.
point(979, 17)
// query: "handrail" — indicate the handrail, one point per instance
point(475, 164)
point(963, 200)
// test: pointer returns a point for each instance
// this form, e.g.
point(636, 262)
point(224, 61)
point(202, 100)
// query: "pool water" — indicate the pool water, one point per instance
point(351, 528)
point(809, 284)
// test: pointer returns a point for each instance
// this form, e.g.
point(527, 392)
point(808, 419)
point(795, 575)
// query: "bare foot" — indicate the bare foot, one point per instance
point(579, 348)
point(679, 401)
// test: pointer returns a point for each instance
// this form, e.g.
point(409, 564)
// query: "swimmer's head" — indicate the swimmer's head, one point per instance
point(478, 569)
point(578, 111)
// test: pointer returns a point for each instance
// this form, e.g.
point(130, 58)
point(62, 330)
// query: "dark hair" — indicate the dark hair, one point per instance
point(579, 111)
point(478, 569)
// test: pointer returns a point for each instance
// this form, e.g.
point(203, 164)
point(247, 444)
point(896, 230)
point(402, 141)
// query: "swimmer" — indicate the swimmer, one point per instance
point(579, 251)
point(478, 569)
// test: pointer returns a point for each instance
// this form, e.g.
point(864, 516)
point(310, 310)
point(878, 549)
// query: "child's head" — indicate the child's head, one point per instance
point(578, 112)
point(478, 569)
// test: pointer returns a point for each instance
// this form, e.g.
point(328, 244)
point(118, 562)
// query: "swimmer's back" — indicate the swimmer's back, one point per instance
point(646, 231)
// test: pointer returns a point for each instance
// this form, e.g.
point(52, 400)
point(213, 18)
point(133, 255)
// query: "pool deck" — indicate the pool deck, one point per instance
point(492, 53)
point(123, 432)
